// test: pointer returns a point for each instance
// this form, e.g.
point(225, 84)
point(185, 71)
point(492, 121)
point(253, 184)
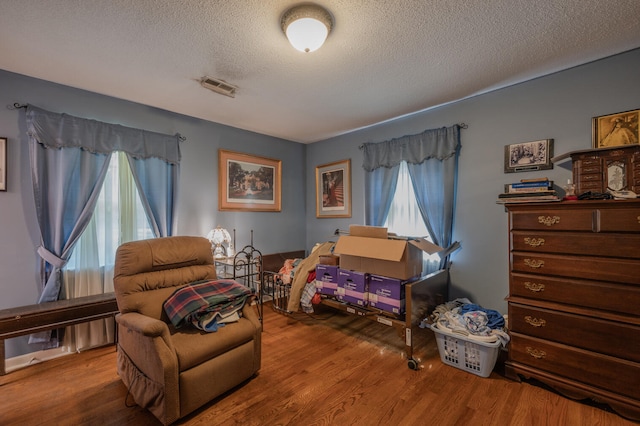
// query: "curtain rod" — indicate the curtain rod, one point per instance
point(17, 105)
point(461, 125)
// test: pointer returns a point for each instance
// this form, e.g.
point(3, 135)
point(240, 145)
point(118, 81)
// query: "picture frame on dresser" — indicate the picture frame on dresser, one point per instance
point(618, 129)
point(3, 164)
point(248, 182)
point(333, 189)
point(528, 156)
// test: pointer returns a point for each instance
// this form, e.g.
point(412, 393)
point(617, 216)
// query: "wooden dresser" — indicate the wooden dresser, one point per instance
point(574, 302)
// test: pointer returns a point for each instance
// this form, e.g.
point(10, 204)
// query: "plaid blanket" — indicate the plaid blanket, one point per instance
point(205, 299)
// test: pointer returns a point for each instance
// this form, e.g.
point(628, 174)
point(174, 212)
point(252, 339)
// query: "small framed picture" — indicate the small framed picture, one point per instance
point(248, 183)
point(3, 164)
point(617, 129)
point(528, 156)
point(333, 190)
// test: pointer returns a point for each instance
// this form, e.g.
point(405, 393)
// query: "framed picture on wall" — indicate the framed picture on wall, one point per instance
point(617, 129)
point(3, 164)
point(528, 156)
point(333, 190)
point(248, 182)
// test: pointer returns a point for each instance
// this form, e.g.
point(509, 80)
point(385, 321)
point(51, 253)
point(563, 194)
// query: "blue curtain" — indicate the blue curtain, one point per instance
point(69, 159)
point(432, 160)
point(380, 186)
point(157, 183)
point(66, 185)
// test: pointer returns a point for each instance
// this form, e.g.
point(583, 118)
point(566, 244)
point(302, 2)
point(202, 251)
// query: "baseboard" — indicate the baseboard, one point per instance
point(22, 361)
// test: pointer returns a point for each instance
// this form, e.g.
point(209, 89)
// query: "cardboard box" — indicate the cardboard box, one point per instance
point(369, 249)
point(353, 287)
point(327, 279)
point(368, 231)
point(329, 259)
point(387, 293)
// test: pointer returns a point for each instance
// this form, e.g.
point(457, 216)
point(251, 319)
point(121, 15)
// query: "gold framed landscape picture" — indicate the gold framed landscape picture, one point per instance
point(619, 129)
point(248, 182)
point(333, 190)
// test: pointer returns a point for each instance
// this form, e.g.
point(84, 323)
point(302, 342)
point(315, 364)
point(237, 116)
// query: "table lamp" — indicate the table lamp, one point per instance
point(219, 236)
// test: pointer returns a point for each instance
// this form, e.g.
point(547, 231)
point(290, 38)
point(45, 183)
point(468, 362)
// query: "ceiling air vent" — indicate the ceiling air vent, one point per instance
point(219, 86)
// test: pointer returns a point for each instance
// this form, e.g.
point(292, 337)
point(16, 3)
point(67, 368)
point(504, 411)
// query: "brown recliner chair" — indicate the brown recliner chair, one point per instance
point(170, 371)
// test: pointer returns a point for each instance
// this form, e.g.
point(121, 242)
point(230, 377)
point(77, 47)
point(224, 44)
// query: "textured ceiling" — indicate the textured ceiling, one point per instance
point(383, 60)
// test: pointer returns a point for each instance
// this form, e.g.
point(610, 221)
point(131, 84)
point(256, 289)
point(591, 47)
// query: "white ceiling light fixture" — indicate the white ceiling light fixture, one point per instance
point(306, 26)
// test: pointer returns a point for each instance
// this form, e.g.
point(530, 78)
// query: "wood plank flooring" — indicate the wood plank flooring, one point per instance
point(329, 369)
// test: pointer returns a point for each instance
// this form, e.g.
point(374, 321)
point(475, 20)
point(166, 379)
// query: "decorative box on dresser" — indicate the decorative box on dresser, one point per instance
point(574, 299)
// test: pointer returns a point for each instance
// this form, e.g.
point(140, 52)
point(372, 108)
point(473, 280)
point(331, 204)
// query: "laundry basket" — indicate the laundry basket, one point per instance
point(468, 354)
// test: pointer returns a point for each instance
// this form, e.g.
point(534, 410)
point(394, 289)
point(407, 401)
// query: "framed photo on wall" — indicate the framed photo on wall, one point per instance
point(248, 182)
point(528, 156)
point(333, 190)
point(617, 129)
point(3, 164)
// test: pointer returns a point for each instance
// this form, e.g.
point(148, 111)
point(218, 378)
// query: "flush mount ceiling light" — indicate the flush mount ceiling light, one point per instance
point(306, 26)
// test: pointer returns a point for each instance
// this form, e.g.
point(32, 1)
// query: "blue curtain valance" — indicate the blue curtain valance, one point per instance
point(440, 143)
point(64, 131)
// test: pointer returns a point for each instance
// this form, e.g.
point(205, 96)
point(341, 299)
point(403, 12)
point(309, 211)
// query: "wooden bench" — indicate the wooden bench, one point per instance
point(39, 317)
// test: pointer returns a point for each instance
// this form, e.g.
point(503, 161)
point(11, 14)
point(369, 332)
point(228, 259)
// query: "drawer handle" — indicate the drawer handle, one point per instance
point(638, 219)
point(535, 321)
point(549, 220)
point(536, 353)
point(534, 242)
point(532, 263)
point(535, 287)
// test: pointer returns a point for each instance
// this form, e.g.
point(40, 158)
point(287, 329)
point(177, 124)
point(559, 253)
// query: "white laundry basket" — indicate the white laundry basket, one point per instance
point(468, 354)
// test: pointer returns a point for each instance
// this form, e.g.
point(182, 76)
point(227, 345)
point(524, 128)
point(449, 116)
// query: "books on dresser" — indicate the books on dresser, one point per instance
point(528, 191)
point(539, 186)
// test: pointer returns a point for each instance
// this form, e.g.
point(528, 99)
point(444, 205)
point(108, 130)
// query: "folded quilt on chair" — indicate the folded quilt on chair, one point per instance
point(206, 304)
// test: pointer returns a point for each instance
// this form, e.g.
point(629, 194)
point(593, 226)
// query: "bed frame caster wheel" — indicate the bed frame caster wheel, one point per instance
point(413, 364)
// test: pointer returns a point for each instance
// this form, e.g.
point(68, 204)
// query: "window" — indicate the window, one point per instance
point(119, 217)
point(404, 215)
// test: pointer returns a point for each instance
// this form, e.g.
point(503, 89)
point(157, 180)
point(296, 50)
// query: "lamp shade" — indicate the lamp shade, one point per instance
point(218, 236)
point(306, 26)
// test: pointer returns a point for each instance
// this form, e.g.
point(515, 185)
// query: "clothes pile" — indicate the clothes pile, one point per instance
point(288, 270)
point(470, 320)
point(208, 304)
point(287, 274)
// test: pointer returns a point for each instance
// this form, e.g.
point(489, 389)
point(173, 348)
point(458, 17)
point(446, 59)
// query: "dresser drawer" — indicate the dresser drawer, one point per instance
point(617, 298)
point(591, 173)
point(590, 185)
point(607, 337)
point(603, 371)
point(590, 162)
point(555, 220)
point(587, 267)
point(578, 243)
point(619, 220)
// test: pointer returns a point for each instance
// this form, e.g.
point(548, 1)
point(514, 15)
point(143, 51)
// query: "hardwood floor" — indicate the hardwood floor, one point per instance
point(333, 369)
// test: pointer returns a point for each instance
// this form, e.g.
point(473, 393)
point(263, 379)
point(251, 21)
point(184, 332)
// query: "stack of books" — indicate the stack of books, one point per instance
point(529, 191)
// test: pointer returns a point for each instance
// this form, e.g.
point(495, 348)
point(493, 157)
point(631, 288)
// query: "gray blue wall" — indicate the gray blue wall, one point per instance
point(198, 202)
point(559, 107)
